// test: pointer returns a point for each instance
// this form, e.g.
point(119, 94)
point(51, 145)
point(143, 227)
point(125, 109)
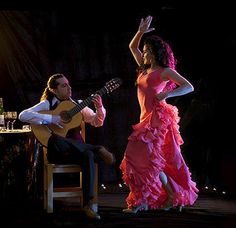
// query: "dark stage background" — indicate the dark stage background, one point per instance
point(90, 46)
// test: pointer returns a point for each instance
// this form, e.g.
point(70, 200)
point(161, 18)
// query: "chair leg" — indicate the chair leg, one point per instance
point(50, 189)
point(45, 191)
point(81, 186)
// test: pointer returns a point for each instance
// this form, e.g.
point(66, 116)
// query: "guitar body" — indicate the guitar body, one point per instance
point(43, 132)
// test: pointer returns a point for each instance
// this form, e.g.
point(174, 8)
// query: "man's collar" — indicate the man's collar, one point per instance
point(55, 100)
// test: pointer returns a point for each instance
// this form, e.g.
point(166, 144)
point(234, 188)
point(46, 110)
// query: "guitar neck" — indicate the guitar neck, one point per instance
point(87, 101)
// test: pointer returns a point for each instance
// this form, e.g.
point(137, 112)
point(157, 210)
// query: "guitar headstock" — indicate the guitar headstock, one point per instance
point(113, 84)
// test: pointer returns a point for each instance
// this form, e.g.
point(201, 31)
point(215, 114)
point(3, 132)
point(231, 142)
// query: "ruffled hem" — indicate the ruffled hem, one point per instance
point(185, 197)
point(146, 187)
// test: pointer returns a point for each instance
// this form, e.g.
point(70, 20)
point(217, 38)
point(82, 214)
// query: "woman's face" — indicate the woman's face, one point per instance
point(148, 57)
point(63, 90)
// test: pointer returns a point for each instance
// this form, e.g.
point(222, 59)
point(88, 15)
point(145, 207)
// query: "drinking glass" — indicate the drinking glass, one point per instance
point(7, 117)
point(13, 119)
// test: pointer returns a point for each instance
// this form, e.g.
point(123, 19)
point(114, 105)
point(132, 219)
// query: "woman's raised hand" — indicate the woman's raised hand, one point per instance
point(144, 26)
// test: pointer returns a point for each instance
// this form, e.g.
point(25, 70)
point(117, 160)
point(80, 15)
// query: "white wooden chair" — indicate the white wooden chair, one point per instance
point(51, 192)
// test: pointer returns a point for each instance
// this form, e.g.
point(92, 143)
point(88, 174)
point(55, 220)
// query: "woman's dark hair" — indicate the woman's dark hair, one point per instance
point(51, 84)
point(163, 55)
point(162, 52)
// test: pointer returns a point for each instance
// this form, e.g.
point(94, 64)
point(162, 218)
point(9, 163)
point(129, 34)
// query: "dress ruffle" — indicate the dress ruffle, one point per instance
point(154, 127)
point(153, 135)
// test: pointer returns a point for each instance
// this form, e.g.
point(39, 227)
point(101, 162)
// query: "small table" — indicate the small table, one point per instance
point(16, 157)
point(14, 131)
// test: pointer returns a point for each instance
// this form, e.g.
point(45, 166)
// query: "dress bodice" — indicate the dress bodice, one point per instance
point(149, 84)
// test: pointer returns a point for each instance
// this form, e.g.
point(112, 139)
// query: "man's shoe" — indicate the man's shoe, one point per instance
point(106, 156)
point(90, 213)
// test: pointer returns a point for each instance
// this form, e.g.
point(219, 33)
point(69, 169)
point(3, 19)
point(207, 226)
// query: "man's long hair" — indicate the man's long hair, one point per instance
point(51, 84)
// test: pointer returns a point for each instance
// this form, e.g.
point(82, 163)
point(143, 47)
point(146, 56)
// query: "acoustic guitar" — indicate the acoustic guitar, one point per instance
point(69, 112)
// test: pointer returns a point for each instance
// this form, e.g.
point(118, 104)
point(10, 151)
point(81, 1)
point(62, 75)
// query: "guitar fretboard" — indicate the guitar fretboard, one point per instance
point(86, 102)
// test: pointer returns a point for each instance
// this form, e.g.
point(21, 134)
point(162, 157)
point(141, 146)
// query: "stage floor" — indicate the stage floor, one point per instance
point(208, 211)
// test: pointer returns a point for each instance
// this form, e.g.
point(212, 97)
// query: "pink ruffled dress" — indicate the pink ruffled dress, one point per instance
point(153, 147)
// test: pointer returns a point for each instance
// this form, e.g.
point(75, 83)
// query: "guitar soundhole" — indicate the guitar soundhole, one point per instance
point(66, 117)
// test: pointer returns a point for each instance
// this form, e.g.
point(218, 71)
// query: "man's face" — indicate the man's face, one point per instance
point(63, 90)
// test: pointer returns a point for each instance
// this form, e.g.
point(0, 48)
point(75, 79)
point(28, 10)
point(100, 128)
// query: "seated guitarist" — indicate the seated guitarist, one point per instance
point(72, 148)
